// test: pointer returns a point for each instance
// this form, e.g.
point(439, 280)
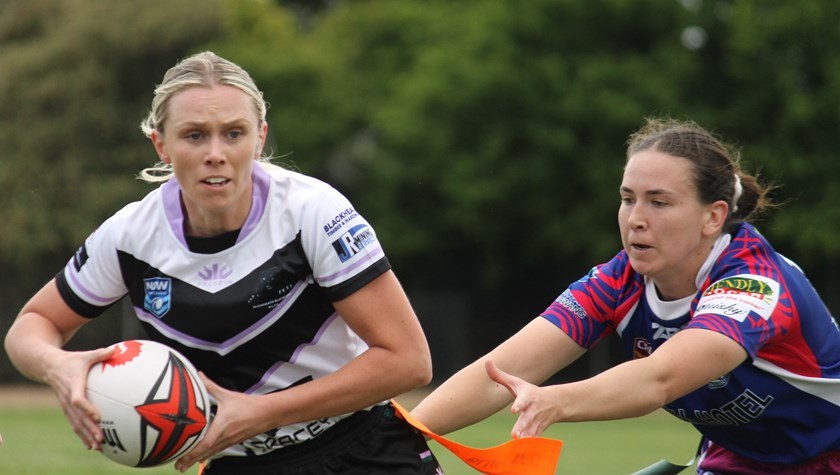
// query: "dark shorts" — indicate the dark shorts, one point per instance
point(716, 460)
point(374, 442)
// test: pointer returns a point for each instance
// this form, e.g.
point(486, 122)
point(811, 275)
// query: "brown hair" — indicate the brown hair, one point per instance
point(717, 171)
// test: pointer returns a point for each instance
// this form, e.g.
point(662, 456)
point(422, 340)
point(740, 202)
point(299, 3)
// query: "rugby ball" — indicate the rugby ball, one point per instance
point(153, 406)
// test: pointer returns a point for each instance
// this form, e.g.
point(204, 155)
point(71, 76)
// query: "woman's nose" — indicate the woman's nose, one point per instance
point(215, 152)
point(636, 218)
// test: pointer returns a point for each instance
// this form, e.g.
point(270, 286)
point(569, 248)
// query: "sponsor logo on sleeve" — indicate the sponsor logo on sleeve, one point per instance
point(158, 295)
point(353, 241)
point(737, 296)
point(80, 258)
point(592, 274)
point(568, 300)
point(339, 220)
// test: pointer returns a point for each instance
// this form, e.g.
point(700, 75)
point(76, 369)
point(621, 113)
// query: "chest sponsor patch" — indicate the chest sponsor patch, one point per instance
point(735, 297)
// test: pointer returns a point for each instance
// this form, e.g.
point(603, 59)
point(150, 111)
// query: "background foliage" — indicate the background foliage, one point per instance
point(483, 139)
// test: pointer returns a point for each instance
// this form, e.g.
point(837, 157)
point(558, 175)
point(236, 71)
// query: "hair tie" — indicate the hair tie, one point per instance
point(738, 190)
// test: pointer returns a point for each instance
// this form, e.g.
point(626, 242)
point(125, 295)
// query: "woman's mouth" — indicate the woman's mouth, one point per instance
point(215, 181)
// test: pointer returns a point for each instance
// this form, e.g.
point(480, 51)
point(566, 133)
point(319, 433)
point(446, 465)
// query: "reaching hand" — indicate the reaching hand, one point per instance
point(532, 403)
point(238, 417)
point(67, 375)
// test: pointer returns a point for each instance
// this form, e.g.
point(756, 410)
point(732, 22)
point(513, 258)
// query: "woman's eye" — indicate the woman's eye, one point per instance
point(235, 134)
point(194, 135)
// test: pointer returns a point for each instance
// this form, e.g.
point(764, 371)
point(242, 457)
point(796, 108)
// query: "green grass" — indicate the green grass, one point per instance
point(591, 448)
point(39, 441)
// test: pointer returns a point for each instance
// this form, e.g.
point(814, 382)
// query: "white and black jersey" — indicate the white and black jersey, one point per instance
point(256, 316)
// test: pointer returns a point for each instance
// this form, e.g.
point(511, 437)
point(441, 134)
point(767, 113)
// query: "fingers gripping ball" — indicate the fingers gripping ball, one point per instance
point(152, 404)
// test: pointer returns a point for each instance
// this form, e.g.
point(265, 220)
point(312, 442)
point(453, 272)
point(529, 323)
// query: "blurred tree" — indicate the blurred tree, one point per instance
point(767, 78)
point(74, 90)
point(76, 78)
point(786, 92)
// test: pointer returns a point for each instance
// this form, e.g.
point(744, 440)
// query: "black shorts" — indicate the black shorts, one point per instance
point(374, 442)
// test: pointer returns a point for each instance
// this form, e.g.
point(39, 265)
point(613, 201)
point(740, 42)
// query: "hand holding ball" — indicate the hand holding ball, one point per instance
point(153, 406)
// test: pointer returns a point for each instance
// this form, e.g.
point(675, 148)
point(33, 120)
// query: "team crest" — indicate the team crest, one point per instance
point(641, 348)
point(158, 295)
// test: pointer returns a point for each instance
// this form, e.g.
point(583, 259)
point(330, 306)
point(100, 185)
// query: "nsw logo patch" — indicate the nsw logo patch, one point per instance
point(158, 295)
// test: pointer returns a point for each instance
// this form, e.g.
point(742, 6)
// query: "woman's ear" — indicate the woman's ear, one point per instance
point(261, 144)
point(716, 217)
point(158, 142)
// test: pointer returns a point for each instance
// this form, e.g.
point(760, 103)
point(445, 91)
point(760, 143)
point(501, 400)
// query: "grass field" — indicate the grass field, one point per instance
point(38, 441)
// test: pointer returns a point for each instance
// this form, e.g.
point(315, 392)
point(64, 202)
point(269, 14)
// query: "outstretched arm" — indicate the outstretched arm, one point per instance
point(34, 344)
point(687, 361)
point(534, 354)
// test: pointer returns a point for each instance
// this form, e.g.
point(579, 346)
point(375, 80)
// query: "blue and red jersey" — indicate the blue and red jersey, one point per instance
point(782, 405)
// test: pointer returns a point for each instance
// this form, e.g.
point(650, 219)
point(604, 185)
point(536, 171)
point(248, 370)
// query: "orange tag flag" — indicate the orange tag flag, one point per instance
point(528, 456)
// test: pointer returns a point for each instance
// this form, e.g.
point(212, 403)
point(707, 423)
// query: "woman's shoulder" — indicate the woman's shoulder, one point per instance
point(748, 256)
point(305, 193)
point(617, 274)
point(747, 236)
point(136, 215)
point(293, 179)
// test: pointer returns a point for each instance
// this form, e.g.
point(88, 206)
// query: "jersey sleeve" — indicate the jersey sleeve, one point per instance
point(746, 296)
point(748, 307)
point(591, 307)
point(341, 246)
point(91, 281)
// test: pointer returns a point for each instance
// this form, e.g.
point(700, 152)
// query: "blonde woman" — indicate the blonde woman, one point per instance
point(269, 281)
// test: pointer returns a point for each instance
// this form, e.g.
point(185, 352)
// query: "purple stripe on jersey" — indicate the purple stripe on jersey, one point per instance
point(325, 280)
point(78, 287)
point(259, 195)
point(171, 193)
point(232, 343)
point(294, 357)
